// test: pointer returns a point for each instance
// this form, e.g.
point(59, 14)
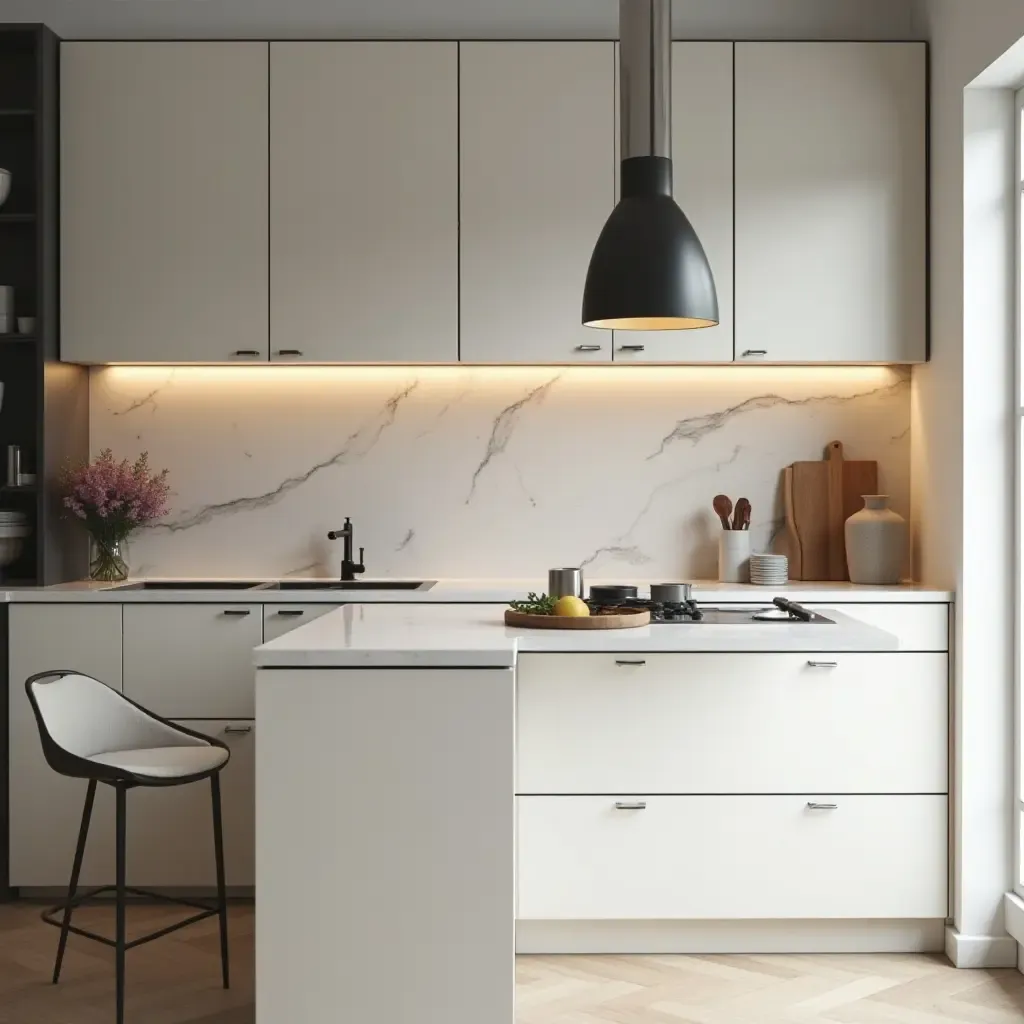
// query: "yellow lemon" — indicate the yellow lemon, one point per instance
point(570, 605)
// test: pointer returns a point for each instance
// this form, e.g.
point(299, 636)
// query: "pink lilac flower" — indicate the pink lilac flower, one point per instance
point(115, 498)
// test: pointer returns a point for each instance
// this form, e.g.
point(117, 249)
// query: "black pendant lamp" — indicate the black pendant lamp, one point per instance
point(648, 271)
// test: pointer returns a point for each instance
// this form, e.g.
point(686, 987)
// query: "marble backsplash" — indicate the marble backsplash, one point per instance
point(482, 472)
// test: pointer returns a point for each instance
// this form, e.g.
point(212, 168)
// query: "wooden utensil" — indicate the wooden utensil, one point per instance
point(741, 517)
point(723, 506)
point(819, 498)
point(792, 537)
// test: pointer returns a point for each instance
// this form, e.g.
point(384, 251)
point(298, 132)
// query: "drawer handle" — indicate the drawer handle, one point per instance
point(239, 612)
point(237, 730)
point(822, 807)
point(624, 661)
point(750, 353)
point(588, 348)
point(632, 348)
point(289, 352)
point(245, 352)
point(823, 664)
point(639, 805)
point(291, 611)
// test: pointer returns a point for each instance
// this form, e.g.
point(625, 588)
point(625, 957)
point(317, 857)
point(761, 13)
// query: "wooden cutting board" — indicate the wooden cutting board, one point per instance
point(819, 497)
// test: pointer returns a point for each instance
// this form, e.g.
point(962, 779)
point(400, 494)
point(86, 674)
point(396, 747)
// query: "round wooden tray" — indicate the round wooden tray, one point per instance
point(611, 618)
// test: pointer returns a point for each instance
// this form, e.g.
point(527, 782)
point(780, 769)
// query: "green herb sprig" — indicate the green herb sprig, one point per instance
point(535, 604)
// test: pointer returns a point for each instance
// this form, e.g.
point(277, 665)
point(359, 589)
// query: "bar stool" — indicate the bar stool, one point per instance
point(90, 731)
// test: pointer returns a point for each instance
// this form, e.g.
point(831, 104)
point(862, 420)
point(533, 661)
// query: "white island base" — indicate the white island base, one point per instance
point(425, 777)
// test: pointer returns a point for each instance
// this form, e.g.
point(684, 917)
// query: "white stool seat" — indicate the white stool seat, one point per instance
point(164, 762)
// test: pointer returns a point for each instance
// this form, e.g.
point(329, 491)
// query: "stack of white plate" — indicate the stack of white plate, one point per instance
point(769, 570)
point(14, 529)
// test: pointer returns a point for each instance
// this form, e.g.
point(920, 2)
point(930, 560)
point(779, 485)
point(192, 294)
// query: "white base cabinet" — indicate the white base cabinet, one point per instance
point(192, 660)
point(733, 857)
point(46, 808)
point(738, 723)
point(170, 830)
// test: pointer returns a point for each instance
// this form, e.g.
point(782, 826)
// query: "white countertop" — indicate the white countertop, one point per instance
point(453, 636)
point(454, 591)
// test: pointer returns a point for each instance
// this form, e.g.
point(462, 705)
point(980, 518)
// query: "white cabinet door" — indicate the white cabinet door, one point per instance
point(537, 125)
point(364, 213)
point(830, 202)
point(702, 145)
point(46, 808)
point(164, 202)
point(732, 857)
point(732, 723)
point(279, 619)
point(170, 830)
point(192, 660)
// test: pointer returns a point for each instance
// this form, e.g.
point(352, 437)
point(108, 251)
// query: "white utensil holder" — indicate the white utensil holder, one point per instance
point(734, 556)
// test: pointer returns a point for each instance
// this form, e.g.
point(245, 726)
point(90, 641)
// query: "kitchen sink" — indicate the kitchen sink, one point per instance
point(354, 584)
point(192, 585)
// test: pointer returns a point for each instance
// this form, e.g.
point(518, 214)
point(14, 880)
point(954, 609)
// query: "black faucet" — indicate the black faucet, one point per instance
point(349, 569)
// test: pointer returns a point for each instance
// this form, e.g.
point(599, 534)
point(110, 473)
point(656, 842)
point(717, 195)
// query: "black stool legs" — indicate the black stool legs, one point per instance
point(222, 900)
point(122, 891)
point(119, 900)
point(76, 870)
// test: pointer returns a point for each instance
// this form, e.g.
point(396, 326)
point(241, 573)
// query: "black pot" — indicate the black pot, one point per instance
point(612, 595)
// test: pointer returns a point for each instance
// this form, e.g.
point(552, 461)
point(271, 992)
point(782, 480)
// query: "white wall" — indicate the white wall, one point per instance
point(962, 409)
point(461, 19)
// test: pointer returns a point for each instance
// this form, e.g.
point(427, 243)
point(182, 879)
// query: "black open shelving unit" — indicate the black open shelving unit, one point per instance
point(45, 408)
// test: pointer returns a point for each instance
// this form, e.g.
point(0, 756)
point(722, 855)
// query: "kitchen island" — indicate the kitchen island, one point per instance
point(427, 776)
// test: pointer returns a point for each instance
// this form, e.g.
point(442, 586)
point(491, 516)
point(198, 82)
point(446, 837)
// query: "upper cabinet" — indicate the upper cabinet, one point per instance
point(702, 154)
point(164, 201)
point(537, 183)
point(364, 216)
point(831, 202)
point(437, 202)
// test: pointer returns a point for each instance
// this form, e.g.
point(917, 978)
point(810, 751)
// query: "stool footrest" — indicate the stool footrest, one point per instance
point(205, 908)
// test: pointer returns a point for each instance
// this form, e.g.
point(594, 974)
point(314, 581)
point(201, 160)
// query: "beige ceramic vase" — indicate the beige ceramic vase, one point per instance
point(876, 542)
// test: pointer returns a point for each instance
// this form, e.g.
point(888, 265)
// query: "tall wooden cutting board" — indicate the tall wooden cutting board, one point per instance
point(819, 498)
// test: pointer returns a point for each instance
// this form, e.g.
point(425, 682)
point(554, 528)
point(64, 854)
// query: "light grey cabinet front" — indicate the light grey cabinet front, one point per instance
point(831, 212)
point(46, 808)
point(170, 830)
point(164, 154)
point(192, 660)
point(364, 219)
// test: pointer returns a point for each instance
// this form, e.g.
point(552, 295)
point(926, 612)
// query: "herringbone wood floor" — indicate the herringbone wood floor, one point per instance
point(175, 980)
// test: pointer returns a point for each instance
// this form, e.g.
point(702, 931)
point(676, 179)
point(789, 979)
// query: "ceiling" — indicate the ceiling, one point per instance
point(556, 19)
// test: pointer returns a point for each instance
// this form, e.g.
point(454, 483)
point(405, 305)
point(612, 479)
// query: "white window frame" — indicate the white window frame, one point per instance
point(1018, 816)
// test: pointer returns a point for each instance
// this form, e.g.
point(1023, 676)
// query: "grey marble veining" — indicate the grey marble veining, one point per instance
point(482, 472)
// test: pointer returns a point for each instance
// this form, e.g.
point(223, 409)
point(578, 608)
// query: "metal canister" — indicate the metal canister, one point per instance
point(565, 583)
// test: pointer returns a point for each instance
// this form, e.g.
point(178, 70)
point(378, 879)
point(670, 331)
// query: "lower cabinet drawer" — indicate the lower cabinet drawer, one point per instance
point(170, 829)
point(732, 723)
point(736, 857)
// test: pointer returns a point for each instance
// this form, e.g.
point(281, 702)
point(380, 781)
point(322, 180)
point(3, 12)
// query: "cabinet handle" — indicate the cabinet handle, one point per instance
point(639, 661)
point(640, 805)
point(823, 664)
point(289, 352)
point(632, 348)
point(239, 612)
point(822, 807)
point(749, 353)
point(291, 611)
point(245, 352)
point(237, 730)
point(588, 348)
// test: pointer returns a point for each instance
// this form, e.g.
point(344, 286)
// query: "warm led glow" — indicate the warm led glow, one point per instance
point(652, 323)
point(618, 377)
